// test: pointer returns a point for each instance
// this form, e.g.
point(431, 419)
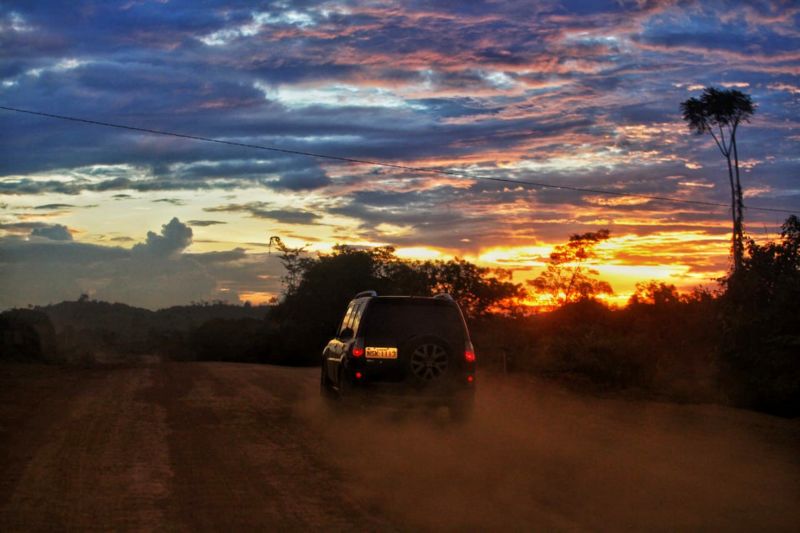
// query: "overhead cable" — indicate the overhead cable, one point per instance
point(429, 170)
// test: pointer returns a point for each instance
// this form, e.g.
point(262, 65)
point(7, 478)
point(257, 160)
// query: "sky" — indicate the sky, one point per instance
point(581, 94)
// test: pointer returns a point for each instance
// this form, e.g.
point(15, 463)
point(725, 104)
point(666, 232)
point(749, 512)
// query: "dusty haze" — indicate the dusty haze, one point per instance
point(539, 456)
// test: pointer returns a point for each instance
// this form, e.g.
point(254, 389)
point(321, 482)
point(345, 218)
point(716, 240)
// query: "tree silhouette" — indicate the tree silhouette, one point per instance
point(567, 279)
point(761, 326)
point(292, 260)
point(479, 290)
point(655, 293)
point(720, 112)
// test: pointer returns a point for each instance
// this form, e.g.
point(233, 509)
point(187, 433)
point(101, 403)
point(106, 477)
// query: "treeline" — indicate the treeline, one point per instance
point(88, 332)
point(662, 348)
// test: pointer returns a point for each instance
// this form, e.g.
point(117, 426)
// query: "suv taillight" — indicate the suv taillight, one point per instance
point(358, 348)
point(469, 353)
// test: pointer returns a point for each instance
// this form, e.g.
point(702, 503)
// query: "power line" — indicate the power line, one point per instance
point(381, 163)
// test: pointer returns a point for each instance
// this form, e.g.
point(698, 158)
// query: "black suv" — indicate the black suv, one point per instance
point(407, 350)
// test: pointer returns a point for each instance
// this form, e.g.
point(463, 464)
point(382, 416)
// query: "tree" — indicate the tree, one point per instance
point(292, 260)
point(655, 293)
point(761, 325)
point(478, 290)
point(719, 112)
point(567, 277)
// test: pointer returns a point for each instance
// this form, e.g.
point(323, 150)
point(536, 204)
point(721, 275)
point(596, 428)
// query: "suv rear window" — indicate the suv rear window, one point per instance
point(353, 316)
point(398, 319)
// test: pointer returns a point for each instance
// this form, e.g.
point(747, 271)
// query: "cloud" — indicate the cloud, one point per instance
point(208, 258)
point(22, 228)
point(286, 216)
point(171, 201)
point(23, 254)
point(56, 232)
point(50, 207)
point(174, 238)
point(204, 223)
point(267, 211)
point(300, 180)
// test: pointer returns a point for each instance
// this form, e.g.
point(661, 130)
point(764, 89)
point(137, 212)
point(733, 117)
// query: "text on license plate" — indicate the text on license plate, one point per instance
point(378, 352)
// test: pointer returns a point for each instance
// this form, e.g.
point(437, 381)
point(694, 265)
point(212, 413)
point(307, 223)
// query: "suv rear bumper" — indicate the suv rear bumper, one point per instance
point(407, 393)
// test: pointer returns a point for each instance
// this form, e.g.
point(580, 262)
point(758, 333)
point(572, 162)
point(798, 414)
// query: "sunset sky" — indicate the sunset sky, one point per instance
point(583, 94)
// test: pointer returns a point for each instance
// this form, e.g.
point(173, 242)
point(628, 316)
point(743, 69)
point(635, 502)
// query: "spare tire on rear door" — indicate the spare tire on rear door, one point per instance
point(429, 358)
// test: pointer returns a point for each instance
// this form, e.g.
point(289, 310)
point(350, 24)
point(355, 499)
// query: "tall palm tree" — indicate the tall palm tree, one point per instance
point(720, 112)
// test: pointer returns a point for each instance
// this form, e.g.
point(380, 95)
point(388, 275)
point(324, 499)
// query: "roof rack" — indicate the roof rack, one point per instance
point(364, 294)
point(443, 296)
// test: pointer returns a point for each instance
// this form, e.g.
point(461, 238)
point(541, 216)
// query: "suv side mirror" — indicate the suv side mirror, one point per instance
point(346, 334)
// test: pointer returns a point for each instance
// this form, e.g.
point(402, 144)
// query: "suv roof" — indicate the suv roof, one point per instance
point(374, 294)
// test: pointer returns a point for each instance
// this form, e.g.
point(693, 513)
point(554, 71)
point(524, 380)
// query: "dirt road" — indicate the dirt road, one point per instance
point(238, 447)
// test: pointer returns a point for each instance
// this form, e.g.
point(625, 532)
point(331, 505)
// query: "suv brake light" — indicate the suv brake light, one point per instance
point(358, 348)
point(469, 353)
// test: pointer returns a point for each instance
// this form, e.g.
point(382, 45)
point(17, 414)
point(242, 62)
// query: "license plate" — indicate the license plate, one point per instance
point(378, 352)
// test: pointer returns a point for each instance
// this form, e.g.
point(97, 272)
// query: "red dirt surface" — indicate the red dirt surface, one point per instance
point(212, 446)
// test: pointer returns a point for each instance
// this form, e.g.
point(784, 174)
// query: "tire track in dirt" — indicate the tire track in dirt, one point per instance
point(241, 458)
point(102, 464)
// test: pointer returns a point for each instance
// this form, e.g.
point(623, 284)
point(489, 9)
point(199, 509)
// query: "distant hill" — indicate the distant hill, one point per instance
point(125, 319)
point(86, 331)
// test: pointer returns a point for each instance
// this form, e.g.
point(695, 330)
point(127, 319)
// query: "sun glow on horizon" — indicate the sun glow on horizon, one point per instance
point(421, 253)
point(257, 298)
